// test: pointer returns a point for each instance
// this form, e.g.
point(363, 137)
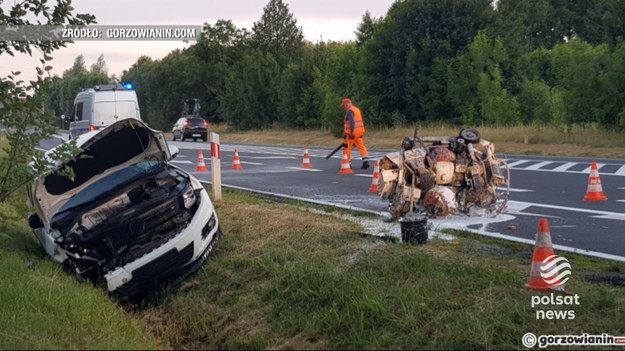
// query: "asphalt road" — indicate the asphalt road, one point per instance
point(541, 187)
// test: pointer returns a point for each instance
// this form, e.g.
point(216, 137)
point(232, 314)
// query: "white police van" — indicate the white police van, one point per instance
point(101, 106)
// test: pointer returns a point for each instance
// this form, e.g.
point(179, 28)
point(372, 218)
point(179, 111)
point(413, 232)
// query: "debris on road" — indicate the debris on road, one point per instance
point(440, 176)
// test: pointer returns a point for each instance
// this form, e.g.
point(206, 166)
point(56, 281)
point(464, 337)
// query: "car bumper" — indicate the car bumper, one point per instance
point(180, 256)
point(195, 134)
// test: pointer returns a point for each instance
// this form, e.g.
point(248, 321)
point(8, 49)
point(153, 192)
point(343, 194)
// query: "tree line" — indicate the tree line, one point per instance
point(469, 62)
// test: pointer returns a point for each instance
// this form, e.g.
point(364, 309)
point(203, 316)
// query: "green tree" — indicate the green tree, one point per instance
point(162, 86)
point(476, 82)
point(222, 44)
point(99, 67)
point(250, 96)
point(73, 81)
point(278, 34)
point(366, 28)
point(311, 107)
point(408, 41)
point(497, 106)
point(540, 104)
point(577, 67)
point(598, 21)
point(23, 121)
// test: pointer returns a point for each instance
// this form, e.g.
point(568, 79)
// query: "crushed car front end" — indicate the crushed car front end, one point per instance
point(129, 220)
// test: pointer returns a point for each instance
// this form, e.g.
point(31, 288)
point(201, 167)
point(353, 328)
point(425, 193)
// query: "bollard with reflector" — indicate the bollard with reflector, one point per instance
point(216, 165)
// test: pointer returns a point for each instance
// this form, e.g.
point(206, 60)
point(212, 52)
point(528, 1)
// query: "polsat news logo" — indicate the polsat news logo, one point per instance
point(555, 271)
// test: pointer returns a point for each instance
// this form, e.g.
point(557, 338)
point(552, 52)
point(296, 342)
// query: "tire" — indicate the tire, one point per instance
point(470, 135)
point(194, 139)
point(182, 138)
point(173, 136)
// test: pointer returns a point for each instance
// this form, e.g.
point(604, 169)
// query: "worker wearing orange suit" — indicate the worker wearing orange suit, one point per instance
point(354, 132)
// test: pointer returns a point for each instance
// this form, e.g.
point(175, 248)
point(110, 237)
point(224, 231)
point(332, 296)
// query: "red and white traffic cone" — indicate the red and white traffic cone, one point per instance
point(345, 168)
point(543, 253)
point(236, 164)
point(594, 191)
point(201, 166)
point(306, 163)
point(376, 177)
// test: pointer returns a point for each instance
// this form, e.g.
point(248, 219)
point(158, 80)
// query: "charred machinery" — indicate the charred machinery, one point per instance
point(441, 176)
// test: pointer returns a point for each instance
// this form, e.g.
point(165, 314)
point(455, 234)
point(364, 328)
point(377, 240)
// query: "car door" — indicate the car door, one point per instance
point(80, 121)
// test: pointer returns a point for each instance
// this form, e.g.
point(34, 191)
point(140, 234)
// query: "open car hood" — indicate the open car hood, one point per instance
point(122, 144)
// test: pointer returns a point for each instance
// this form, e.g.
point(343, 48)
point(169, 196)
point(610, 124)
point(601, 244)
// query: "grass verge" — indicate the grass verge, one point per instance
point(286, 278)
point(42, 307)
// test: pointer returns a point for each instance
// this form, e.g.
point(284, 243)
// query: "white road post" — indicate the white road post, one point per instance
point(216, 165)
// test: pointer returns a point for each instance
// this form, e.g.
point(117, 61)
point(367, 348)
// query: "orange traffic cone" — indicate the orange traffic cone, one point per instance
point(594, 191)
point(376, 177)
point(543, 253)
point(236, 164)
point(201, 166)
point(306, 163)
point(345, 168)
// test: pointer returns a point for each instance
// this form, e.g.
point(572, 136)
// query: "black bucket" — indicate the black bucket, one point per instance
point(414, 228)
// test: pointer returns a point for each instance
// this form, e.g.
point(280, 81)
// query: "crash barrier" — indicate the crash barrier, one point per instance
point(201, 166)
point(376, 177)
point(542, 251)
point(414, 228)
point(594, 191)
point(236, 164)
point(306, 163)
point(345, 167)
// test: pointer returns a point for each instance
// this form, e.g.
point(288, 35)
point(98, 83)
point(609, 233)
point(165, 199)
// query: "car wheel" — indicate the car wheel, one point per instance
point(204, 139)
point(470, 135)
point(182, 138)
point(173, 136)
point(194, 139)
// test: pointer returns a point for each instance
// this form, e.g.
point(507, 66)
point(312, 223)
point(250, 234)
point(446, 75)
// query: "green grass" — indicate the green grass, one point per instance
point(301, 280)
point(285, 277)
point(42, 307)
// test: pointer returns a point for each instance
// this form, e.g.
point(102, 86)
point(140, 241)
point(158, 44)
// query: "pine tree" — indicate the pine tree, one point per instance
point(277, 33)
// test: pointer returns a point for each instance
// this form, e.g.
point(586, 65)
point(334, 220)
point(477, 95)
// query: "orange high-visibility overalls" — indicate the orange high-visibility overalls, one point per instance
point(354, 129)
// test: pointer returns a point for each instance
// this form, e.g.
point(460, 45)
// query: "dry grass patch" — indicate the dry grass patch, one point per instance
point(575, 141)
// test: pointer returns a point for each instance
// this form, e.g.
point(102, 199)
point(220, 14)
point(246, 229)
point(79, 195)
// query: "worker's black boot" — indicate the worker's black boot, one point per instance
point(365, 164)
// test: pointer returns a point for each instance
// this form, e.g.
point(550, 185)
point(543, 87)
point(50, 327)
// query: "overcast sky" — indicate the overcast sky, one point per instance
point(319, 19)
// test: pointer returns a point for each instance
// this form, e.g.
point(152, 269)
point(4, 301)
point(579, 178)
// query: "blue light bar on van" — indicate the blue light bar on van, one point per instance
point(129, 86)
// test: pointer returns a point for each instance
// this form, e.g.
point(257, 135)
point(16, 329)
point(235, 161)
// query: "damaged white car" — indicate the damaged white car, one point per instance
point(129, 220)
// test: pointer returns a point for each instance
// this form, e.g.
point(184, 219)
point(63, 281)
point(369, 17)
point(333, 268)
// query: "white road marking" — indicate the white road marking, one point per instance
point(305, 169)
point(514, 163)
point(270, 157)
point(587, 170)
point(616, 216)
point(596, 213)
point(564, 167)
point(538, 165)
point(516, 190)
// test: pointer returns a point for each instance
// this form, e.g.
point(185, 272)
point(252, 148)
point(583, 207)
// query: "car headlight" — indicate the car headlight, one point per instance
point(188, 198)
